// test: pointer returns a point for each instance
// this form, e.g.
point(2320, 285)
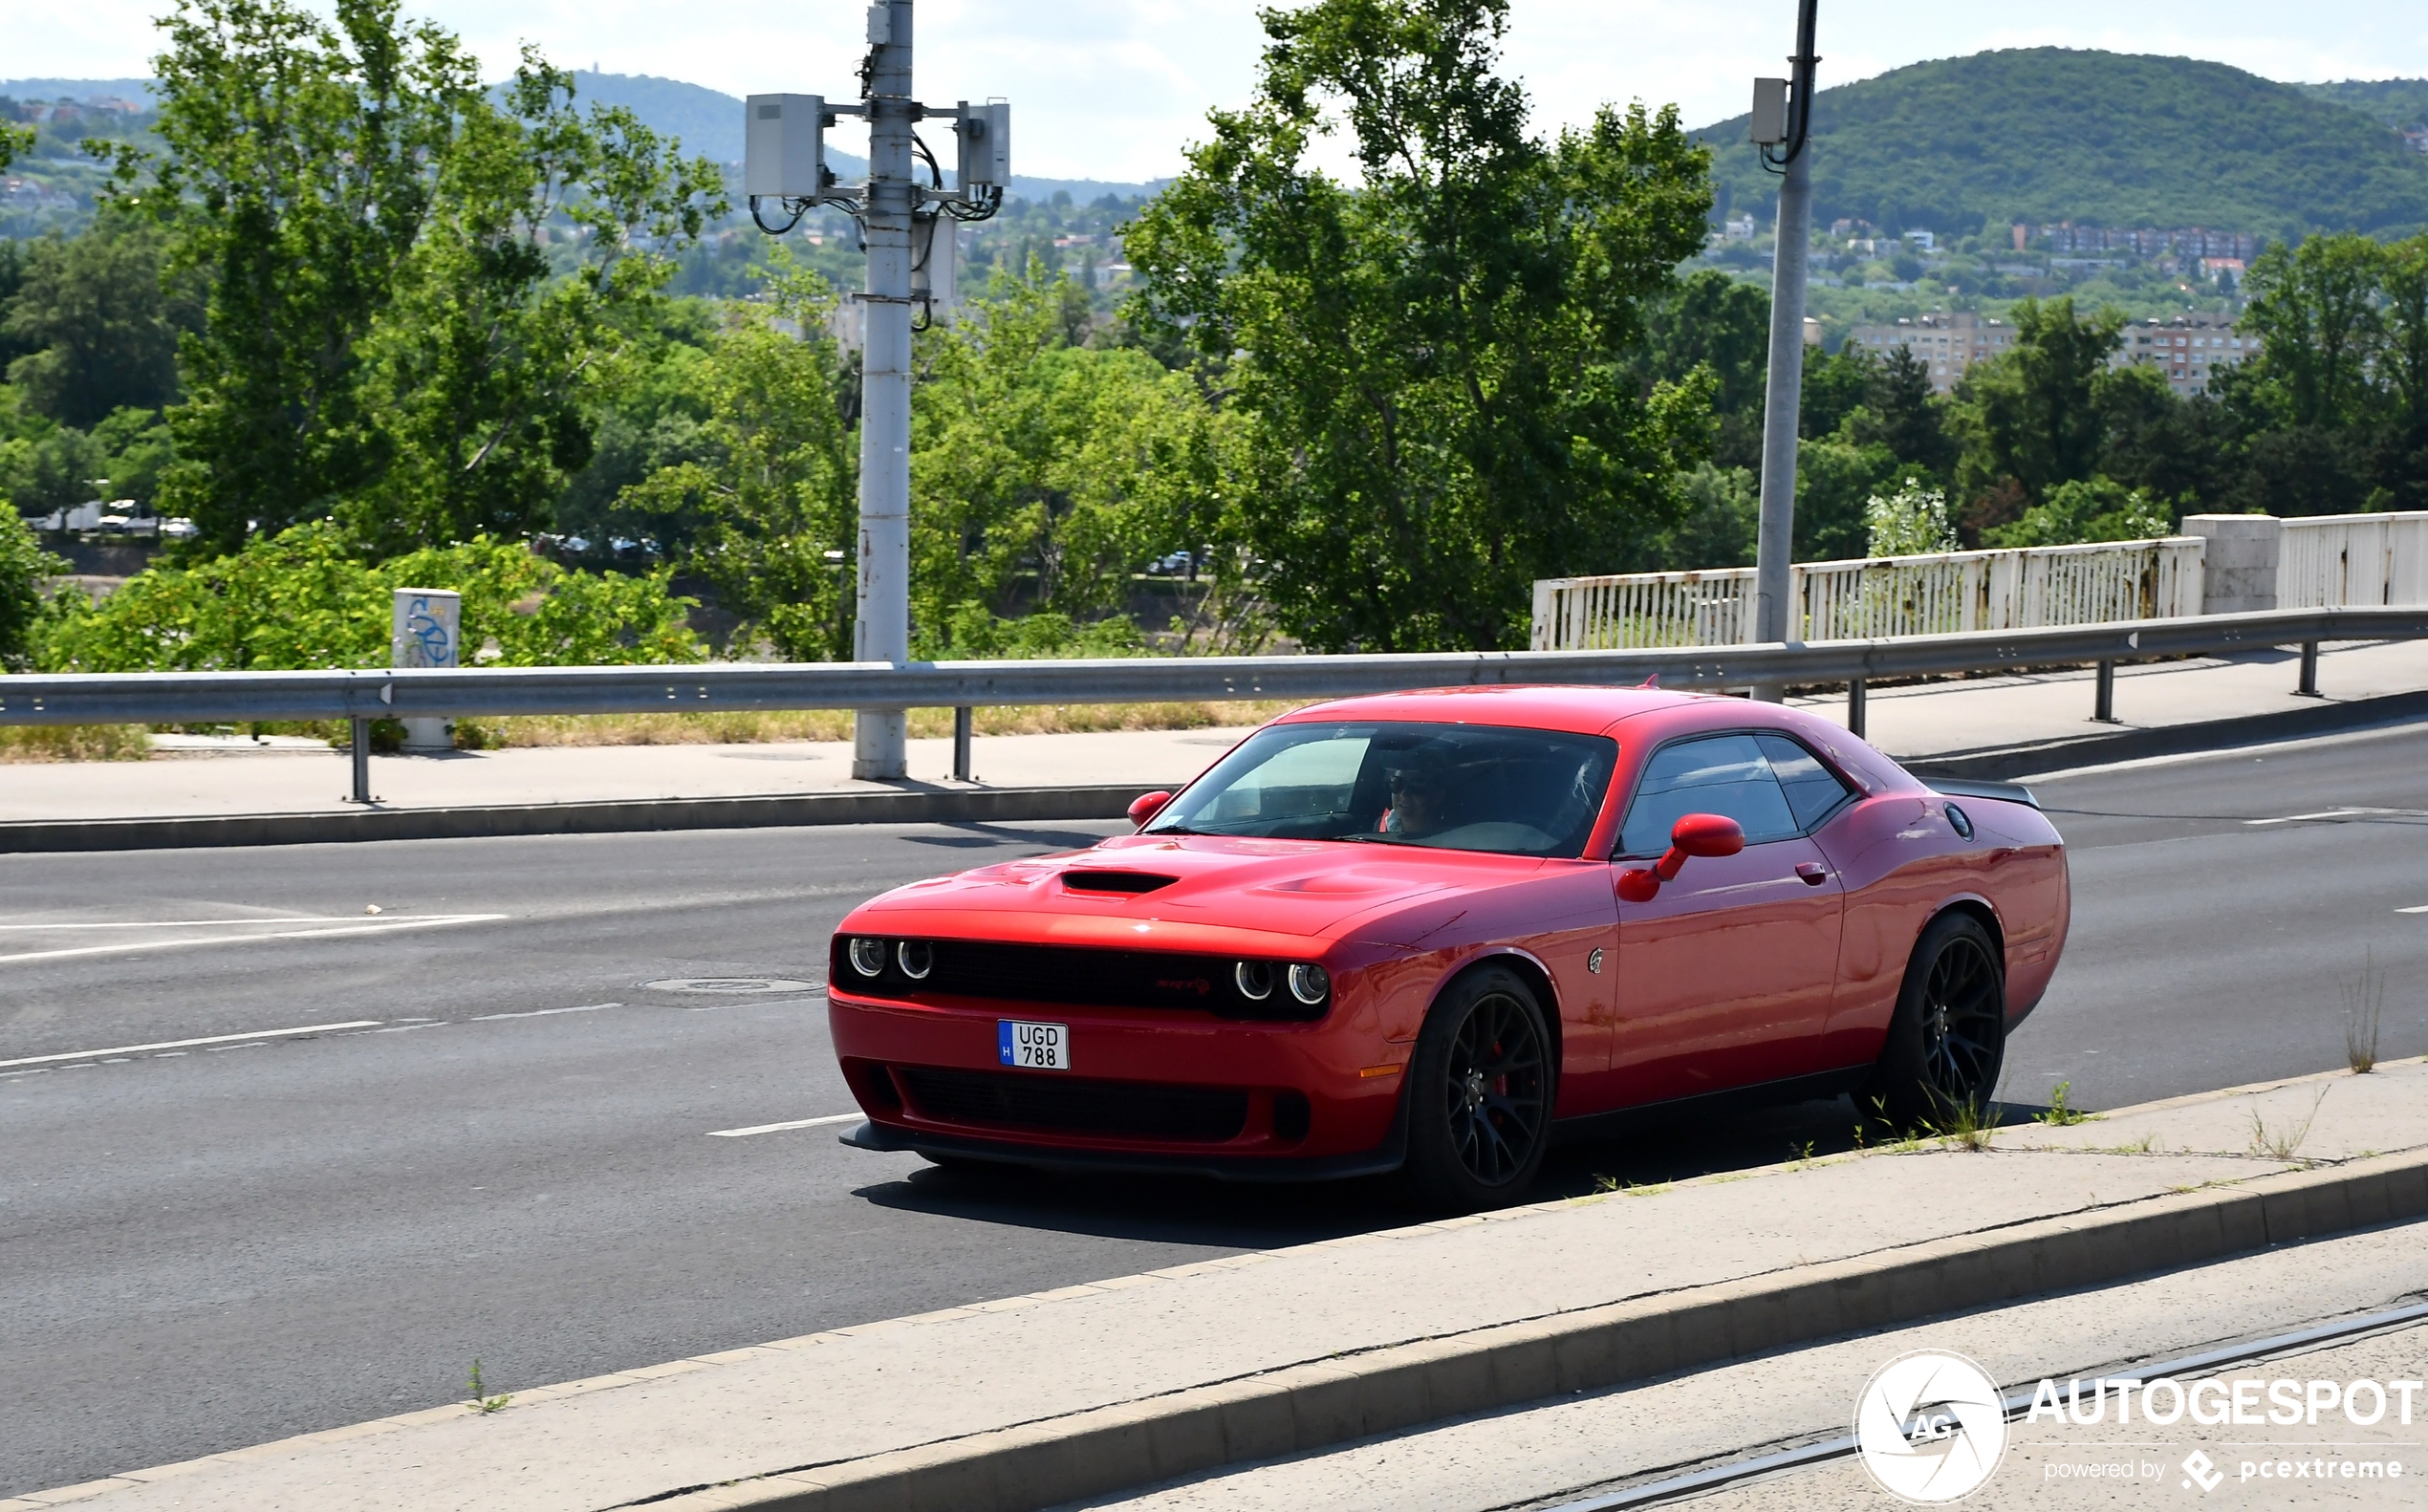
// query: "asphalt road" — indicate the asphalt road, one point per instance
point(510, 1157)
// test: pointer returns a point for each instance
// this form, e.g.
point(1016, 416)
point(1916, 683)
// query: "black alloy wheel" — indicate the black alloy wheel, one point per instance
point(1480, 1094)
point(1947, 1040)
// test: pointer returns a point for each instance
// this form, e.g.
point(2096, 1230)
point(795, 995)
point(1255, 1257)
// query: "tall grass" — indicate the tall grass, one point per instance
point(33, 742)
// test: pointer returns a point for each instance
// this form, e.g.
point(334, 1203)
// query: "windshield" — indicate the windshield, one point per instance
point(1448, 786)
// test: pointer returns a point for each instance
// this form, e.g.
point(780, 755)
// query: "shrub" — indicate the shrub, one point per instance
point(303, 599)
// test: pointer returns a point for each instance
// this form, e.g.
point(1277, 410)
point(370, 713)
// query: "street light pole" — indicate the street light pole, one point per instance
point(1784, 391)
point(881, 625)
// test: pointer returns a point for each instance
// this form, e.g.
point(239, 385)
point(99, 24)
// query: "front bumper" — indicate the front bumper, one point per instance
point(1142, 1095)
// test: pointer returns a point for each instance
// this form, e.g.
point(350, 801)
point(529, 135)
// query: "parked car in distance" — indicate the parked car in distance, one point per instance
point(1432, 932)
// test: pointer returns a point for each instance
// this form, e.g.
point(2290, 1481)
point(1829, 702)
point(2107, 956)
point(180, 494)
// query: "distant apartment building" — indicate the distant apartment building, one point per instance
point(2186, 349)
point(2194, 241)
point(1945, 344)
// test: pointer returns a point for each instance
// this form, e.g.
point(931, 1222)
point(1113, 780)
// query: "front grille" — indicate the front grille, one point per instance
point(1075, 975)
point(1047, 1100)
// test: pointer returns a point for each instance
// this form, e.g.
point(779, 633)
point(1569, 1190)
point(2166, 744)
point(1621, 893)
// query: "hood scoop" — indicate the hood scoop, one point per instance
point(1125, 882)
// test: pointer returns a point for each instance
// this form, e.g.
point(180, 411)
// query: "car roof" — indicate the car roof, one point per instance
point(1576, 710)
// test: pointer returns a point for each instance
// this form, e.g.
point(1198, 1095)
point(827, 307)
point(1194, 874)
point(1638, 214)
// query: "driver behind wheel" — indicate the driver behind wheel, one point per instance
point(1419, 796)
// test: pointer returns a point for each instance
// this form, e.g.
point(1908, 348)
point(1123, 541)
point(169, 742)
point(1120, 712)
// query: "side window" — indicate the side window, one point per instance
point(1724, 774)
point(1813, 789)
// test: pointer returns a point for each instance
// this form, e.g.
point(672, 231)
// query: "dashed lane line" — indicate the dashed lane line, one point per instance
point(797, 1123)
point(381, 927)
point(181, 1045)
point(2342, 813)
point(541, 1013)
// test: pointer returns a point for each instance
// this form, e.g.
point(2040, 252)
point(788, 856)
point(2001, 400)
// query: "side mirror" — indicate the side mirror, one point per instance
point(1147, 806)
point(1692, 834)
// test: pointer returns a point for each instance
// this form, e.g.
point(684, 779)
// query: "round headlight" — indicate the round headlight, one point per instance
point(868, 956)
point(1310, 984)
point(1255, 979)
point(917, 958)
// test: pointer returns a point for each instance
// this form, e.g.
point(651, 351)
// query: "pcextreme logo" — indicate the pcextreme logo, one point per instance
point(1930, 1427)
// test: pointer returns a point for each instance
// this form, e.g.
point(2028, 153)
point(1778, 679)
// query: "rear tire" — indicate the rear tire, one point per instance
point(1947, 1040)
point(1480, 1095)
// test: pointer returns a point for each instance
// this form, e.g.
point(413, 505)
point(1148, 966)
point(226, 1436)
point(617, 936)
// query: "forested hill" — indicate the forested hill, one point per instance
point(2101, 139)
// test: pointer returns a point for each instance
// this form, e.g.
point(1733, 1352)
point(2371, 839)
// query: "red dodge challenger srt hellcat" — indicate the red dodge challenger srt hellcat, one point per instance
point(1432, 931)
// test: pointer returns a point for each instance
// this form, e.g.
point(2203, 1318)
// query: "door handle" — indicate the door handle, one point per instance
point(1813, 873)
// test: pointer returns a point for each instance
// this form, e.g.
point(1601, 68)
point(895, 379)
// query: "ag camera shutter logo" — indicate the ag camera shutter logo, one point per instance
point(1930, 1427)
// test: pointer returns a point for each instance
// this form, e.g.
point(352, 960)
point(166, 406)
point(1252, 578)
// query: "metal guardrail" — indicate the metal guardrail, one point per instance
point(184, 697)
point(178, 697)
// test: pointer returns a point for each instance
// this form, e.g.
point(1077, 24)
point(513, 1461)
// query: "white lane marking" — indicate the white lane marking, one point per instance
point(382, 927)
point(2345, 813)
point(541, 1013)
point(199, 923)
point(2421, 909)
point(797, 1123)
point(178, 1044)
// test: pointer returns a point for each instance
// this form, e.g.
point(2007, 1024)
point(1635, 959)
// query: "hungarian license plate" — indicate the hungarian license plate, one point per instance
point(1033, 1046)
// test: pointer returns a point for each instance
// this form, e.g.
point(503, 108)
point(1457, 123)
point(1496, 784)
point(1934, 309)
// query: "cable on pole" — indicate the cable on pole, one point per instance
point(1801, 69)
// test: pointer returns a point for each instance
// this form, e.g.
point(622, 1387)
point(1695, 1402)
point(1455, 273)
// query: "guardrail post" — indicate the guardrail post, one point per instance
point(1855, 707)
point(362, 758)
point(2309, 670)
point(2104, 707)
point(962, 723)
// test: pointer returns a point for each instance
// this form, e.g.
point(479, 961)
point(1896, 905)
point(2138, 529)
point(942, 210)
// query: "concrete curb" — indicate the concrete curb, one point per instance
point(918, 806)
point(2000, 763)
point(1315, 1406)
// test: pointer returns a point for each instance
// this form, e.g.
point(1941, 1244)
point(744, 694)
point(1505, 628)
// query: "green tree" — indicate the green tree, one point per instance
point(2031, 414)
point(484, 368)
point(2086, 509)
point(297, 179)
point(1440, 362)
point(2314, 308)
point(100, 329)
point(1900, 410)
point(1714, 321)
point(1835, 385)
point(23, 565)
point(383, 331)
point(770, 508)
point(1043, 473)
point(2403, 368)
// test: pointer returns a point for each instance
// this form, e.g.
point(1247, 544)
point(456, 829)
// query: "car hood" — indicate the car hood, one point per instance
point(1279, 887)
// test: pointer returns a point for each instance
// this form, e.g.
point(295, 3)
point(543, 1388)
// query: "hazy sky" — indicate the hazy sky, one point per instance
point(1112, 89)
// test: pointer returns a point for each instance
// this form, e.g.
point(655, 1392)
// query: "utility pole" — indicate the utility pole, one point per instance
point(1783, 125)
point(881, 628)
point(899, 220)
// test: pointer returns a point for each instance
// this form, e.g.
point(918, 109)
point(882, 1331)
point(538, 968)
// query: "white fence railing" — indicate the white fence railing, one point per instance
point(1892, 595)
point(2339, 561)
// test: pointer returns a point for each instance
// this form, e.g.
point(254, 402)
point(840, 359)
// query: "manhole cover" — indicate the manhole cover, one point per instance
point(730, 984)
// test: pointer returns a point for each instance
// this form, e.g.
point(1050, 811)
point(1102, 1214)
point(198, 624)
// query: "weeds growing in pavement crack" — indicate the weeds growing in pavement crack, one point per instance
point(2364, 1000)
point(1967, 1125)
point(481, 1402)
point(2285, 1138)
point(2060, 1113)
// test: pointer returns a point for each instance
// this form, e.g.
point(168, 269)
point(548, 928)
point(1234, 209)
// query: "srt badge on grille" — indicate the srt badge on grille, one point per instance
point(1197, 984)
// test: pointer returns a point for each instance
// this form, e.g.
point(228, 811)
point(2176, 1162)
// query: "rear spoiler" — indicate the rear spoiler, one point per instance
point(1965, 787)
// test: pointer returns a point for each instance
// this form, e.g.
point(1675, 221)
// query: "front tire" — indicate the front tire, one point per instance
point(1480, 1095)
point(1947, 1040)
